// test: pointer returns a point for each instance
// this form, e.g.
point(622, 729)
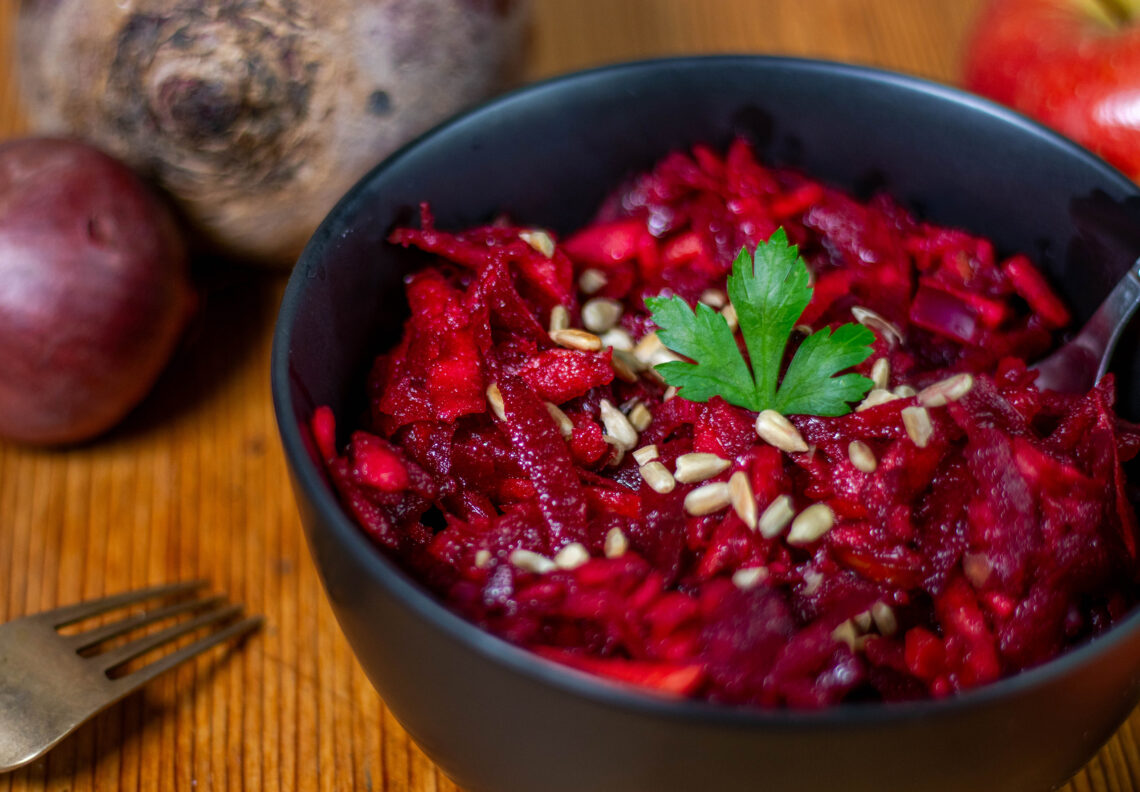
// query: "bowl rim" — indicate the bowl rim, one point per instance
point(311, 481)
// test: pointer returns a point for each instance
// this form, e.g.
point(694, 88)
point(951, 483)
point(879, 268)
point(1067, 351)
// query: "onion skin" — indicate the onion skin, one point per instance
point(257, 115)
point(94, 290)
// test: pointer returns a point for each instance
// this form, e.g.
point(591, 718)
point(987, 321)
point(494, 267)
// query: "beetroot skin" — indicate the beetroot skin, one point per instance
point(972, 525)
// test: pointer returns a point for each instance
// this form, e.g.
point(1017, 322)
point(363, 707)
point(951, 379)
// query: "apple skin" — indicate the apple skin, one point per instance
point(1073, 65)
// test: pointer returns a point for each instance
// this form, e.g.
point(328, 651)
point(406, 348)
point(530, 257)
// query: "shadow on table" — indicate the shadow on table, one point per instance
point(229, 333)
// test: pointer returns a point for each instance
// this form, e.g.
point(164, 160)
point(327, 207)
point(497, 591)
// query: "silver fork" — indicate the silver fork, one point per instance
point(51, 682)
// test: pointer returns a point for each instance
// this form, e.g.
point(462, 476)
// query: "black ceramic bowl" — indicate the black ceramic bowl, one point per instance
point(498, 719)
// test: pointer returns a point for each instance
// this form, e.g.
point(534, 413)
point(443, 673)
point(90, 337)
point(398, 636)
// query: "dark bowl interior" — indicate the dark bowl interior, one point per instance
point(500, 720)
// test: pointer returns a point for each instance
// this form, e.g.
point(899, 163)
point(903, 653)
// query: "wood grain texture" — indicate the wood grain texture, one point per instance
point(194, 483)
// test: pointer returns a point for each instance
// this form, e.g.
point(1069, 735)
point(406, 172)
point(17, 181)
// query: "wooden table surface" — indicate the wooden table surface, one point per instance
point(194, 483)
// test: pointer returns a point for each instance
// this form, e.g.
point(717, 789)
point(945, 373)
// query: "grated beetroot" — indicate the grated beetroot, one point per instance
point(975, 530)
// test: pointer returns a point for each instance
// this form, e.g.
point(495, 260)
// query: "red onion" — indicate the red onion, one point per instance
point(94, 290)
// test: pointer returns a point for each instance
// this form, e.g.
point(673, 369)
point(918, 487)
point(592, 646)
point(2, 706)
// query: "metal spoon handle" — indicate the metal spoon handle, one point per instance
point(1070, 368)
point(1104, 327)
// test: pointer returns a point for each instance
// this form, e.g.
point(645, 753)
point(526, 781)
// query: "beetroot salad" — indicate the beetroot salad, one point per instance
point(940, 523)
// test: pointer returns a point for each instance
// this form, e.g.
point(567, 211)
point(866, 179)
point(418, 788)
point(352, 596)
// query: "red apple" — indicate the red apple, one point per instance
point(1074, 65)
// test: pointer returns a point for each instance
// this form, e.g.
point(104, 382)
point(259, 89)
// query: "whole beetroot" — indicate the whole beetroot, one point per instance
point(94, 290)
point(256, 115)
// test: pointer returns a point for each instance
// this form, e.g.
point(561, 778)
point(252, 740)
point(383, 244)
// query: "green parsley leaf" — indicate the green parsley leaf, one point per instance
point(769, 291)
point(702, 336)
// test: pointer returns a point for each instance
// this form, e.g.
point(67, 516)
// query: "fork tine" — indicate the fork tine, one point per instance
point(85, 640)
point(148, 672)
point(128, 651)
point(69, 614)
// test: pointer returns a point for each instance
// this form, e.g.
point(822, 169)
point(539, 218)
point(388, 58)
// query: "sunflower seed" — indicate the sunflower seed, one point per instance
point(694, 467)
point(876, 397)
point(646, 347)
point(539, 240)
point(881, 373)
point(565, 425)
point(947, 390)
point(749, 577)
point(811, 524)
point(778, 431)
point(904, 391)
point(918, 426)
point(625, 365)
point(573, 338)
point(743, 501)
point(618, 338)
point(729, 314)
point(571, 556)
point(657, 476)
point(708, 498)
point(530, 561)
point(776, 517)
point(645, 454)
point(714, 298)
point(601, 314)
point(874, 321)
point(482, 558)
point(670, 392)
point(617, 452)
point(617, 426)
point(863, 621)
point(559, 318)
point(884, 618)
point(495, 400)
point(650, 351)
point(615, 544)
point(848, 633)
point(861, 456)
point(592, 280)
point(640, 417)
